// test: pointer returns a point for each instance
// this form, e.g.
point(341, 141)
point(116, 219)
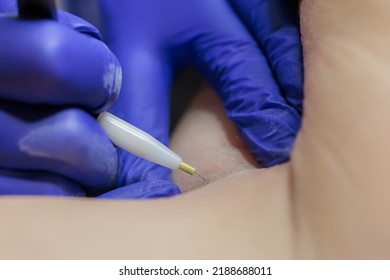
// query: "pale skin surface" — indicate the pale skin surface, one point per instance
point(331, 201)
point(210, 142)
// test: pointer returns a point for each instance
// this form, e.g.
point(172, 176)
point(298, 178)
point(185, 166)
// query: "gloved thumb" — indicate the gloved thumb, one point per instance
point(240, 72)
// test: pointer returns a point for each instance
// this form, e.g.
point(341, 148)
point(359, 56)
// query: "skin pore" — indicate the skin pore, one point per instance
point(330, 201)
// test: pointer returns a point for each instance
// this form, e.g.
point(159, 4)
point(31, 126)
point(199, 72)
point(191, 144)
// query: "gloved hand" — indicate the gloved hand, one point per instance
point(58, 150)
point(250, 51)
point(50, 75)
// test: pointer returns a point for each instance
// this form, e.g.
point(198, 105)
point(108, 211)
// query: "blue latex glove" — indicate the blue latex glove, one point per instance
point(249, 50)
point(50, 75)
point(58, 150)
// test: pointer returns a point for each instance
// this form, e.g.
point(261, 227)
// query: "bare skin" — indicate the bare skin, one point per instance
point(331, 201)
point(210, 142)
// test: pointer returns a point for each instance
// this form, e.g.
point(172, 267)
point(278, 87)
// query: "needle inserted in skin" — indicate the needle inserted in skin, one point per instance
point(201, 177)
point(192, 171)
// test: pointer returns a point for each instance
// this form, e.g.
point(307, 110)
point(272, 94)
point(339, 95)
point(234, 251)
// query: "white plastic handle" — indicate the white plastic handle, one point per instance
point(138, 142)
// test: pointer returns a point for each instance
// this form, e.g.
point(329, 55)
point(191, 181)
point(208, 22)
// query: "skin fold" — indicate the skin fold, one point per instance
point(330, 201)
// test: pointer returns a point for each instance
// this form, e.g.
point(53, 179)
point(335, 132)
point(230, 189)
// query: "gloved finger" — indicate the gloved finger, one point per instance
point(144, 190)
point(67, 142)
point(144, 102)
point(275, 24)
point(239, 71)
point(37, 183)
point(58, 65)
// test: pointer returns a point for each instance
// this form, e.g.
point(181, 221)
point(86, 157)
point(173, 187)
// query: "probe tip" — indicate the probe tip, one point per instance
point(192, 171)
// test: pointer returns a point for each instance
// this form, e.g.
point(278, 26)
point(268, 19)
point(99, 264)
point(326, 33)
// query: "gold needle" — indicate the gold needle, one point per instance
point(189, 169)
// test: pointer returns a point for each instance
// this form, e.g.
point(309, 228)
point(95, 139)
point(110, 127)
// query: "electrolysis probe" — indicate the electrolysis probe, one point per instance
point(142, 144)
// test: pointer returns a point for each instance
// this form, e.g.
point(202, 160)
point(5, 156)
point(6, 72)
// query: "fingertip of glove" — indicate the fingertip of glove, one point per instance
point(273, 157)
point(270, 134)
point(269, 152)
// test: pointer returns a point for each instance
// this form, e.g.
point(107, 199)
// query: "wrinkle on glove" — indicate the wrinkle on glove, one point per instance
point(278, 33)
